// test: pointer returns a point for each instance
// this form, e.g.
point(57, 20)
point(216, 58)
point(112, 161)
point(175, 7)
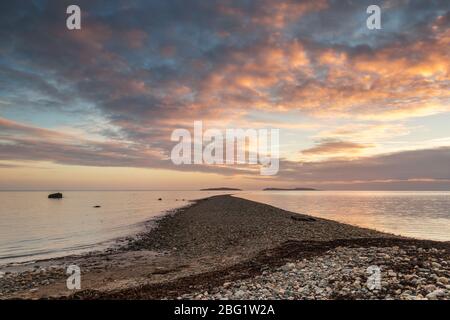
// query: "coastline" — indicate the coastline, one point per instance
point(215, 243)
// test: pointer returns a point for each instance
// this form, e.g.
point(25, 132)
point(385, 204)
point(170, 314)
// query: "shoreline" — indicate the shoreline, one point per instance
point(101, 248)
point(208, 243)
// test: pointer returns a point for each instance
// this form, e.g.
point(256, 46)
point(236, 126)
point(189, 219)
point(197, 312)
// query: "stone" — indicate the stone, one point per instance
point(430, 287)
point(391, 273)
point(435, 294)
point(436, 265)
point(340, 273)
point(288, 267)
point(239, 294)
point(319, 290)
point(57, 195)
point(443, 280)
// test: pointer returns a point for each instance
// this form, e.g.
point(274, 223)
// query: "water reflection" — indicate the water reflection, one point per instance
point(424, 215)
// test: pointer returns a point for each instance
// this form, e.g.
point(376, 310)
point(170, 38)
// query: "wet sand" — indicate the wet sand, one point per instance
point(199, 248)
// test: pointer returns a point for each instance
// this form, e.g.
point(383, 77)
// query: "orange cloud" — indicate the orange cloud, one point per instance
point(277, 14)
point(337, 147)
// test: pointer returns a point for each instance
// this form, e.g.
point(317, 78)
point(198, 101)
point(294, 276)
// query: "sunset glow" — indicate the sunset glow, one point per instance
point(95, 108)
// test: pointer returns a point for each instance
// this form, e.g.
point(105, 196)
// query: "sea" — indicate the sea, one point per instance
point(33, 227)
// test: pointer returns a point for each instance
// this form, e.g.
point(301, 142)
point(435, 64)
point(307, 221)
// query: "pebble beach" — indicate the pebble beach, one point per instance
point(224, 247)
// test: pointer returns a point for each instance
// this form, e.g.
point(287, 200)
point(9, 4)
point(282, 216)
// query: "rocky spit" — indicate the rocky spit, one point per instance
point(408, 273)
point(225, 247)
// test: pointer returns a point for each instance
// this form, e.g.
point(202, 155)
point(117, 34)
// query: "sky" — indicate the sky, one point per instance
point(357, 109)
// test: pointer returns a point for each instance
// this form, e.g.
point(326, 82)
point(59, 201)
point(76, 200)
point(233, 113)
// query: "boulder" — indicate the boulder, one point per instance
point(57, 195)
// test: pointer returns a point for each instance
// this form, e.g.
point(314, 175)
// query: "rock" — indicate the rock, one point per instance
point(435, 294)
point(443, 280)
point(239, 294)
point(97, 206)
point(357, 284)
point(57, 195)
point(430, 287)
point(436, 265)
point(288, 267)
point(319, 290)
point(391, 273)
point(341, 273)
point(159, 199)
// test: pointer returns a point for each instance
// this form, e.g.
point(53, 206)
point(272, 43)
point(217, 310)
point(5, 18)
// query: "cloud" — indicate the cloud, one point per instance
point(216, 61)
point(31, 143)
point(366, 131)
point(336, 147)
point(401, 166)
point(245, 60)
point(28, 143)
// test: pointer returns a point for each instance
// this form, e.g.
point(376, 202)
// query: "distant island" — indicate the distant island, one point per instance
point(221, 189)
point(290, 189)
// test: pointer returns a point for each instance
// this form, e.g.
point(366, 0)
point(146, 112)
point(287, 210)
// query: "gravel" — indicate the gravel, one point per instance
point(30, 280)
point(409, 273)
point(225, 247)
point(226, 225)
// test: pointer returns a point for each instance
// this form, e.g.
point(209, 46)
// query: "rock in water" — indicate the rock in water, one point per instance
point(57, 195)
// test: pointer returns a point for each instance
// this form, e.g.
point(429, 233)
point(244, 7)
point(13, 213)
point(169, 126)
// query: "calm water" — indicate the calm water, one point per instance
point(424, 215)
point(33, 227)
